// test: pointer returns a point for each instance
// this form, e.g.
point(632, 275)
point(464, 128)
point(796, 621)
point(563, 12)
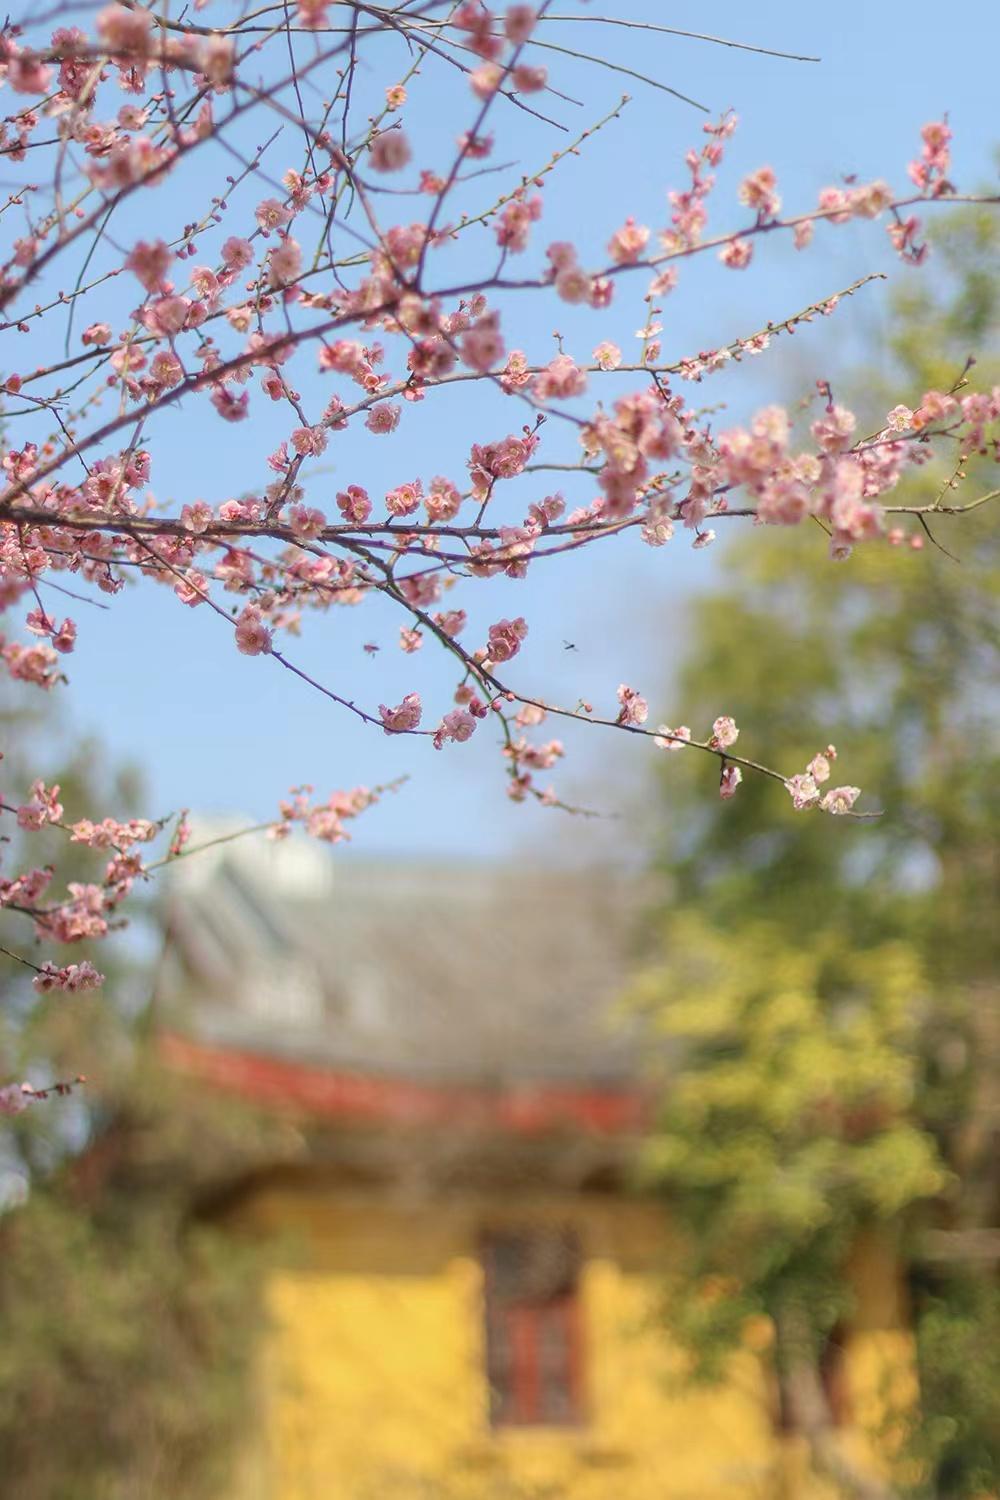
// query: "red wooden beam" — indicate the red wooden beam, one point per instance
point(521, 1109)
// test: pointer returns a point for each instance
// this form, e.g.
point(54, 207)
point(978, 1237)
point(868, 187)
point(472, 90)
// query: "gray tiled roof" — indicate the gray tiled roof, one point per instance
point(476, 973)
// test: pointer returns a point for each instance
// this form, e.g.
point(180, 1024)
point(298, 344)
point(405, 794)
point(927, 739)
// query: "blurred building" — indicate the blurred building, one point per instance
point(463, 1304)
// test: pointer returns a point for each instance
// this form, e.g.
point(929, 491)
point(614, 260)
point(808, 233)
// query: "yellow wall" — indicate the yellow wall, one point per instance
point(373, 1387)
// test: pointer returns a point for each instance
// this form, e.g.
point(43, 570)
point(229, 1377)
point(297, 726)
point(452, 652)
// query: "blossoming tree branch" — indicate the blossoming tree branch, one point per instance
point(305, 281)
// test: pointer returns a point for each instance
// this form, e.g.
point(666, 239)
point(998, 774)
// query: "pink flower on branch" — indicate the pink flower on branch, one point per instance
point(628, 243)
point(737, 255)
point(404, 718)
point(672, 739)
point(634, 709)
point(253, 637)
point(458, 725)
point(505, 639)
point(384, 417)
point(729, 782)
point(724, 733)
point(72, 979)
point(759, 192)
point(44, 807)
point(149, 262)
point(840, 799)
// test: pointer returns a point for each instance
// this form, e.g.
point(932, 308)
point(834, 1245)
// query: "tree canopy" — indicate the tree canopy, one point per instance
point(831, 994)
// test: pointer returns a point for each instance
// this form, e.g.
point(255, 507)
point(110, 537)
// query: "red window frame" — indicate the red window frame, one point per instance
point(533, 1329)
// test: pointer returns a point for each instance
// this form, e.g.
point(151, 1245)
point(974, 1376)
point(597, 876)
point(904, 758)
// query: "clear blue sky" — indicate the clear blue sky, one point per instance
point(164, 687)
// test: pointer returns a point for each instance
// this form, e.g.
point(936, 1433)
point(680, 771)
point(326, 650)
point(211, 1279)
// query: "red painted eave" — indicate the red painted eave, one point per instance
point(523, 1109)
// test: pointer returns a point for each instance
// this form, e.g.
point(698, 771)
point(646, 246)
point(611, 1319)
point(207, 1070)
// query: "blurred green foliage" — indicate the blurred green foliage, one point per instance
point(789, 1124)
point(127, 1318)
point(128, 1325)
point(828, 987)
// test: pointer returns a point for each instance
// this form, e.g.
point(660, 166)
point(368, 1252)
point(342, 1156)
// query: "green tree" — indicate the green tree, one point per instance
point(127, 1321)
point(826, 983)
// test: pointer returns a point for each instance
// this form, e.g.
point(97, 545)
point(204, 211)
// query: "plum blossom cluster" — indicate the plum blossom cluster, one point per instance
point(806, 788)
point(90, 909)
point(324, 820)
point(525, 759)
point(111, 834)
point(724, 735)
point(304, 309)
point(72, 978)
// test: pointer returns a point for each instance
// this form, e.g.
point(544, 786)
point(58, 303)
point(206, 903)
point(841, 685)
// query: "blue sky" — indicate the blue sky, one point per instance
point(163, 686)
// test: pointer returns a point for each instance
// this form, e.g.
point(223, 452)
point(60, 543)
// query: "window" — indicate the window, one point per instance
point(533, 1351)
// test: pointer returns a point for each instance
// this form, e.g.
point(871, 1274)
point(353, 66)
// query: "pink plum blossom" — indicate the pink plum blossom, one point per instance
point(672, 739)
point(73, 978)
point(389, 151)
point(505, 639)
point(724, 733)
point(634, 709)
point(840, 799)
point(253, 637)
point(404, 718)
point(729, 781)
point(458, 725)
